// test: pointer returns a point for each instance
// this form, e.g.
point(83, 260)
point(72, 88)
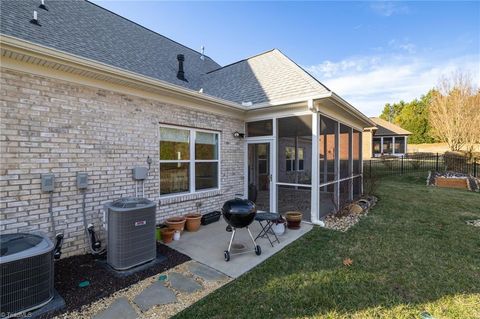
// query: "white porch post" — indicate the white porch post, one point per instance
point(405, 145)
point(315, 159)
point(393, 145)
point(381, 145)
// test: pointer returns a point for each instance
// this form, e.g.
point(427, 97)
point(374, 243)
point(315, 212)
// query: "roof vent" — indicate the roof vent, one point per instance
point(181, 73)
point(35, 18)
point(249, 103)
point(202, 57)
point(43, 6)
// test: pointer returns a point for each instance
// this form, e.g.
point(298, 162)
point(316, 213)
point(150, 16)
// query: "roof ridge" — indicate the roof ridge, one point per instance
point(150, 30)
point(310, 78)
point(250, 57)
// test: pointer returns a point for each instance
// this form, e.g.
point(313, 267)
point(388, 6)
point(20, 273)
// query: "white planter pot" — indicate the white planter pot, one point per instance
point(278, 229)
point(176, 235)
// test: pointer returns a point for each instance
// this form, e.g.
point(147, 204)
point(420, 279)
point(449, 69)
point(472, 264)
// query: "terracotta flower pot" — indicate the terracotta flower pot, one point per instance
point(176, 223)
point(167, 235)
point(158, 232)
point(293, 219)
point(193, 221)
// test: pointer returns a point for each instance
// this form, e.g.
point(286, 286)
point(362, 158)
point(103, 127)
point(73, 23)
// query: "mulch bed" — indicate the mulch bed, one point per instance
point(69, 272)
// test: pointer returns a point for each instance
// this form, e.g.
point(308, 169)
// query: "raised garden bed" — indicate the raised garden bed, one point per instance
point(71, 271)
point(453, 180)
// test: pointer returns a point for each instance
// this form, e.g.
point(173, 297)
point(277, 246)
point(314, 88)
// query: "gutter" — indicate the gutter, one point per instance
point(58, 56)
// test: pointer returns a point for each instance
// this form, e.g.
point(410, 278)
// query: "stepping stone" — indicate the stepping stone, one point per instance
point(153, 295)
point(182, 283)
point(205, 272)
point(119, 309)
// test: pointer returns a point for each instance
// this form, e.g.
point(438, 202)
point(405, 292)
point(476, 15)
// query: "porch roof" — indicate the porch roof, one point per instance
point(385, 128)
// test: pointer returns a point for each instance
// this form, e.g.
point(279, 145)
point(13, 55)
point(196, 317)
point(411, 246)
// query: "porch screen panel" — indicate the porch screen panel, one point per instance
point(294, 198)
point(399, 145)
point(356, 150)
point(294, 164)
point(295, 150)
point(345, 193)
point(357, 187)
point(387, 145)
point(377, 145)
point(326, 149)
point(327, 199)
point(345, 151)
point(260, 128)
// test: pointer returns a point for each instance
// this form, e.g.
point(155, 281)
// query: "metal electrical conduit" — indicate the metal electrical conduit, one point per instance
point(94, 245)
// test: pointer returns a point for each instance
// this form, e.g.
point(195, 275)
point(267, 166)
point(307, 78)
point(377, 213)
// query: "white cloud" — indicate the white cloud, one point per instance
point(388, 8)
point(403, 45)
point(370, 82)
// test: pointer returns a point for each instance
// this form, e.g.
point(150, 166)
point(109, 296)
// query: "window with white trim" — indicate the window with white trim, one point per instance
point(189, 160)
point(291, 164)
point(290, 158)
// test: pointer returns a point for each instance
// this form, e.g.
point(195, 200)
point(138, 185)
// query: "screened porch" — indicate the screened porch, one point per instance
point(308, 162)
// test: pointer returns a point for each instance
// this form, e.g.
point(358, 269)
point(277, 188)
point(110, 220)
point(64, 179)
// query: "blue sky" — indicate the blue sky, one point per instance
point(370, 53)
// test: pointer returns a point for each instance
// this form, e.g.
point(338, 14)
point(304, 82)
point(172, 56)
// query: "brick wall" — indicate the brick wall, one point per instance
point(52, 126)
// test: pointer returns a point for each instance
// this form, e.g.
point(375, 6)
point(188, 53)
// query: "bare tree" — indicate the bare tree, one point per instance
point(454, 112)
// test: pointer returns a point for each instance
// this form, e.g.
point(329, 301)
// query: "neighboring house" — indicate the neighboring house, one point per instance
point(384, 139)
point(86, 90)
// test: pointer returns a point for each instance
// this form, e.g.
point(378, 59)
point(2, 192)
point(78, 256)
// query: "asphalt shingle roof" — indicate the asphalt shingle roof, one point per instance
point(90, 31)
point(270, 76)
point(387, 128)
point(87, 30)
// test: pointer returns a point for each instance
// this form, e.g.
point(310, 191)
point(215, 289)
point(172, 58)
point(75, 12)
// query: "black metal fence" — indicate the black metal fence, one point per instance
point(421, 162)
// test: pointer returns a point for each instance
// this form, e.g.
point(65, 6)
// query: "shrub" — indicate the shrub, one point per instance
point(455, 161)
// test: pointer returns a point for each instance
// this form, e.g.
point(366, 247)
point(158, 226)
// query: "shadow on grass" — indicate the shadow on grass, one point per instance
point(413, 249)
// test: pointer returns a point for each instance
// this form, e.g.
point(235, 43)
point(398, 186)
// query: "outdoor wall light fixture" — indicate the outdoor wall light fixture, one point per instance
point(237, 134)
point(149, 162)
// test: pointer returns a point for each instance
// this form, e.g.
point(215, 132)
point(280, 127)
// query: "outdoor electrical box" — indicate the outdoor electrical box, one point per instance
point(139, 173)
point(48, 182)
point(82, 180)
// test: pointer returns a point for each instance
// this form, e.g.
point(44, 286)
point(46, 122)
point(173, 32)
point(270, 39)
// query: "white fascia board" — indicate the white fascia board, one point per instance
point(288, 101)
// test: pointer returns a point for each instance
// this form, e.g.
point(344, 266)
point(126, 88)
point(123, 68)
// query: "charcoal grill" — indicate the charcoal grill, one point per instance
point(239, 213)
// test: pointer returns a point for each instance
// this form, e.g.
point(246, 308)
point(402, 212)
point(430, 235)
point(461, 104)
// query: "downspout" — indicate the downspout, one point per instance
point(315, 189)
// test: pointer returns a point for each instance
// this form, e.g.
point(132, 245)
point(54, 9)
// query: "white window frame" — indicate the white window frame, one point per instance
point(192, 161)
point(290, 160)
point(295, 161)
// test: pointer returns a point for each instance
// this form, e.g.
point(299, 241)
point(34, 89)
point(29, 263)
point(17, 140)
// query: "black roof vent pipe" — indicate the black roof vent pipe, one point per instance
point(181, 73)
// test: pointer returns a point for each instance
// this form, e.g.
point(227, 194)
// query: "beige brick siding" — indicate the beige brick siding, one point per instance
point(49, 125)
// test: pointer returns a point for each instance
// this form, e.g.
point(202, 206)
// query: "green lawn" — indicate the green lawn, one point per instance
point(412, 253)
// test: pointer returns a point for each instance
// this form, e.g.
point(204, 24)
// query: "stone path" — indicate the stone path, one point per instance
point(163, 292)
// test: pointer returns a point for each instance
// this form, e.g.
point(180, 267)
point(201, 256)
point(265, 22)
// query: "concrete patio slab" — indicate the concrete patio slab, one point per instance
point(155, 294)
point(119, 309)
point(208, 243)
point(183, 284)
point(205, 272)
